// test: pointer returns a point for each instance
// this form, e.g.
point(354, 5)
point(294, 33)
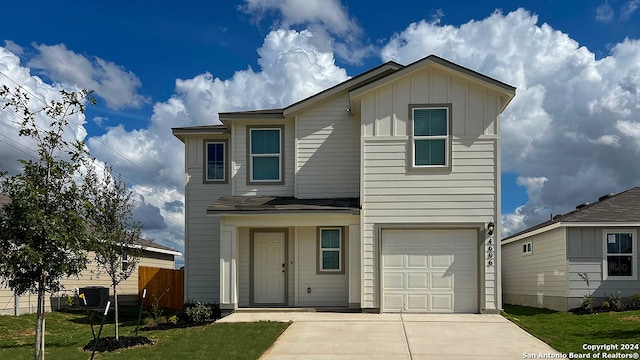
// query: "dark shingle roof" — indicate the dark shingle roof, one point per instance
point(623, 207)
point(268, 204)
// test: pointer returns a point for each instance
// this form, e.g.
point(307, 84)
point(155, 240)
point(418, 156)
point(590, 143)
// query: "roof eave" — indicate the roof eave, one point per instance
point(283, 212)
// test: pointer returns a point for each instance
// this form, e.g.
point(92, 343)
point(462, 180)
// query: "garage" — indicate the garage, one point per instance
point(430, 271)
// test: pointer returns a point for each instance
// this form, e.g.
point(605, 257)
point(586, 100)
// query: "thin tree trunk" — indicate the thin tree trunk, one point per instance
point(40, 324)
point(115, 299)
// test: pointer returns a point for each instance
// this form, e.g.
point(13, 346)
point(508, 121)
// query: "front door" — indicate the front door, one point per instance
point(269, 268)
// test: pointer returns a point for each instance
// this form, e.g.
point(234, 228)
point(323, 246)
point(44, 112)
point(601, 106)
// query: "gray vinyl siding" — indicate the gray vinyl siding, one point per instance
point(202, 232)
point(585, 255)
point(240, 164)
point(538, 279)
point(394, 193)
point(328, 156)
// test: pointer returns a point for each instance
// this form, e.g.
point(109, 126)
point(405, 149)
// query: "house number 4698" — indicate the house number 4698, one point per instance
point(490, 254)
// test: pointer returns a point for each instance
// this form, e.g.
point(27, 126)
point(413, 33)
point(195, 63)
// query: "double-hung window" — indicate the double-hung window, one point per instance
point(331, 250)
point(527, 248)
point(430, 135)
point(265, 154)
point(620, 254)
point(215, 161)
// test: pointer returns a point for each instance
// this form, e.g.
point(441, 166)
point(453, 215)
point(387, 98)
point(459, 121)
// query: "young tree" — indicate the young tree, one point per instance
point(43, 231)
point(110, 222)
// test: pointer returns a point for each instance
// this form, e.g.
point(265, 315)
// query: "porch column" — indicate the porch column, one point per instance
point(228, 268)
point(355, 270)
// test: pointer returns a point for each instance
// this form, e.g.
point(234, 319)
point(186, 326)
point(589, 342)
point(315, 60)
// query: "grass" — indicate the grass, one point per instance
point(68, 332)
point(567, 332)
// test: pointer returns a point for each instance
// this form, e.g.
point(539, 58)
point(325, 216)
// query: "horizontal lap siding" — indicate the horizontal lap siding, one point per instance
point(328, 157)
point(202, 232)
point(541, 273)
point(586, 247)
point(326, 289)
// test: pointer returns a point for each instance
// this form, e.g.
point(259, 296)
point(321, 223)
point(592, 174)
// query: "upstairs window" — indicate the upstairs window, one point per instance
point(214, 161)
point(430, 135)
point(265, 152)
point(620, 254)
point(527, 248)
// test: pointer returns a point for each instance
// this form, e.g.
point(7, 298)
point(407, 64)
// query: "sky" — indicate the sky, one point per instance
point(571, 134)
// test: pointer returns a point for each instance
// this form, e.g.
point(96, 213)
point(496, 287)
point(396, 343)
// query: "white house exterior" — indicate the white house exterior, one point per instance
point(374, 194)
point(542, 264)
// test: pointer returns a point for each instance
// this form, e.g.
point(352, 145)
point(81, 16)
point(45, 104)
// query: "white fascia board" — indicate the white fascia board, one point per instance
point(157, 250)
point(534, 232)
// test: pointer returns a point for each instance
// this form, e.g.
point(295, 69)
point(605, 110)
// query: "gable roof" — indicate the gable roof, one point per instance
point(610, 209)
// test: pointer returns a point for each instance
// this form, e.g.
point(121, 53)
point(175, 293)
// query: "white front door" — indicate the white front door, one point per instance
point(269, 268)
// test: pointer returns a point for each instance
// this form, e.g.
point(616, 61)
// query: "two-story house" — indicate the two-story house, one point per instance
point(380, 193)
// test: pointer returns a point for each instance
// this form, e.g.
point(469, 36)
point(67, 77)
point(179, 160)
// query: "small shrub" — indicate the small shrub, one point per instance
point(634, 301)
point(173, 319)
point(198, 312)
point(587, 303)
point(614, 302)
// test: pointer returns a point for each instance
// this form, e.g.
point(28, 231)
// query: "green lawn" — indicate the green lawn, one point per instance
point(567, 332)
point(68, 332)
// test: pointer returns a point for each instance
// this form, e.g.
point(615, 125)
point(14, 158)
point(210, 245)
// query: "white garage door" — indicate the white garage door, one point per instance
point(429, 271)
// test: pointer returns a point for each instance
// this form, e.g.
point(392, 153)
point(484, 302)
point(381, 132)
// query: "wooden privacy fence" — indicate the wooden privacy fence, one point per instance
point(157, 281)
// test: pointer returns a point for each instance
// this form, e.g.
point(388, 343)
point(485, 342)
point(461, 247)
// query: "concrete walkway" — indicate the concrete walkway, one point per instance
point(316, 335)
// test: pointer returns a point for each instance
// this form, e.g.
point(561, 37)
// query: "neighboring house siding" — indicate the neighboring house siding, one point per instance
point(240, 168)
point(328, 155)
point(585, 255)
point(537, 279)
point(326, 289)
point(393, 193)
point(127, 290)
point(202, 232)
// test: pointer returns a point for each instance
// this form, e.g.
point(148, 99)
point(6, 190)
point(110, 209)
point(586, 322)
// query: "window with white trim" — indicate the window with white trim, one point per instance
point(527, 248)
point(430, 135)
point(215, 152)
point(265, 154)
point(620, 260)
point(330, 250)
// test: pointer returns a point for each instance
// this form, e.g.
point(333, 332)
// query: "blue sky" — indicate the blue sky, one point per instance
point(571, 135)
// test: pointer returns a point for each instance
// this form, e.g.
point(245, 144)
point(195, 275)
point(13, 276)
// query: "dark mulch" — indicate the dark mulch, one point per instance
point(111, 344)
point(596, 310)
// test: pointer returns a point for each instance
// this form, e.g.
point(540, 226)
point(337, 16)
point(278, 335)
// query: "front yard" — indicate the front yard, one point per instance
point(68, 332)
point(568, 333)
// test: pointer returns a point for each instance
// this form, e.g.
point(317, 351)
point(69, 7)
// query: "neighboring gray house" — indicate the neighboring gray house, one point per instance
point(540, 265)
point(375, 194)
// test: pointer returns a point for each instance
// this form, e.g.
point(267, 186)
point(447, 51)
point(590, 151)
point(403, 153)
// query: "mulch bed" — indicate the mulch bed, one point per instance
point(111, 344)
point(180, 325)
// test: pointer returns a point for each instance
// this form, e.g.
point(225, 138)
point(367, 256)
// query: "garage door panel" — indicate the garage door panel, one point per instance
point(417, 302)
point(417, 281)
point(440, 281)
point(442, 302)
point(394, 281)
point(430, 270)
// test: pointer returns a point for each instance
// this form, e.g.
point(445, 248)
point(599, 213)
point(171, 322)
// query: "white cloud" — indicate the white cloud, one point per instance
point(329, 21)
point(13, 47)
point(629, 8)
point(117, 86)
point(605, 13)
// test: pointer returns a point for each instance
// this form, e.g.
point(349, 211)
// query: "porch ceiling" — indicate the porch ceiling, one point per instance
point(279, 205)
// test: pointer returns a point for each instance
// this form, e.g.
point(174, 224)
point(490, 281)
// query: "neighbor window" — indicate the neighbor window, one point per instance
point(620, 254)
point(265, 154)
point(214, 162)
point(430, 135)
point(527, 248)
point(331, 252)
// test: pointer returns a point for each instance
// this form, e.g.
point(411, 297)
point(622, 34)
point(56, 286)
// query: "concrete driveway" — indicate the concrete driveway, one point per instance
point(318, 335)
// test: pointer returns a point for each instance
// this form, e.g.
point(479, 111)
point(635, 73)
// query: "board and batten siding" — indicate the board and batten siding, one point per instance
point(394, 193)
point(328, 151)
point(537, 279)
point(586, 255)
point(202, 232)
point(240, 163)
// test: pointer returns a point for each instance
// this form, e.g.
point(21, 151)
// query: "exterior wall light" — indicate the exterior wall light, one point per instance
point(490, 227)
